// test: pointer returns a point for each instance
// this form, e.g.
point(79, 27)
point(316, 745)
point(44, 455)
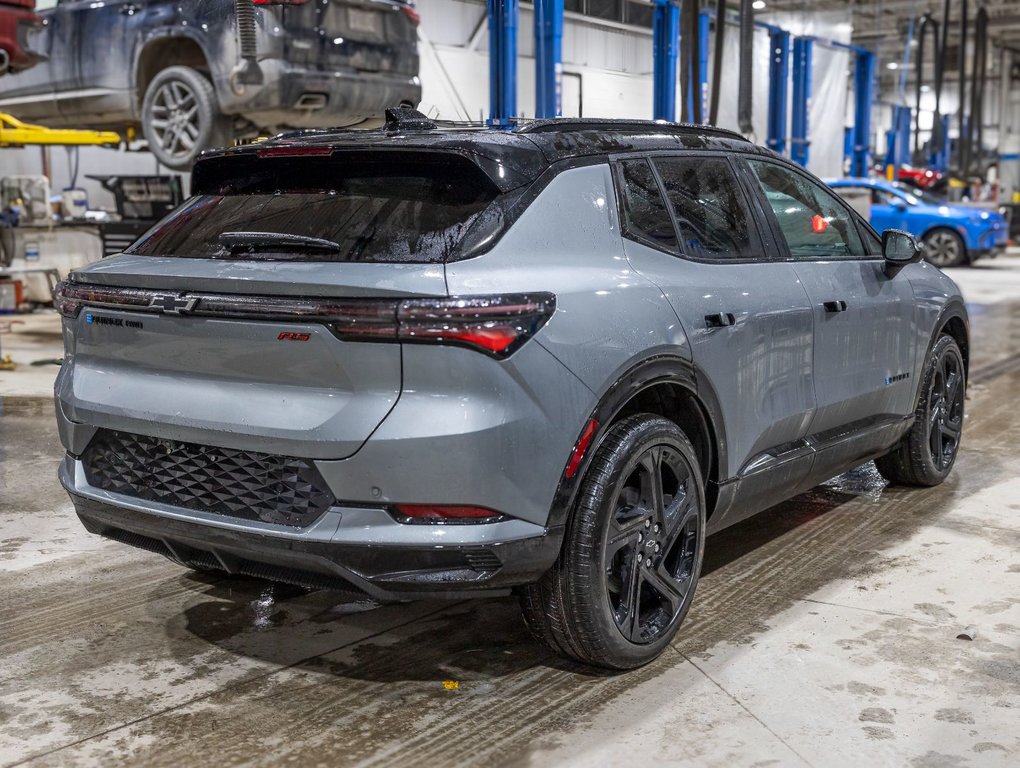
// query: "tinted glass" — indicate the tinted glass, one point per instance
point(708, 205)
point(380, 215)
point(814, 223)
point(644, 211)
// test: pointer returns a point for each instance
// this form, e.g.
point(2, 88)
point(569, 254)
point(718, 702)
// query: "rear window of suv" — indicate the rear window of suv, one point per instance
point(325, 209)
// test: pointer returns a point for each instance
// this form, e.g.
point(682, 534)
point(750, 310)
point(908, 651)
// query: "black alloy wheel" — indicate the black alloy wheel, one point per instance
point(945, 410)
point(632, 549)
point(651, 544)
point(927, 453)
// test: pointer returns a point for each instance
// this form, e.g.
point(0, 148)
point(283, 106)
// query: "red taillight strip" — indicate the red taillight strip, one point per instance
point(497, 325)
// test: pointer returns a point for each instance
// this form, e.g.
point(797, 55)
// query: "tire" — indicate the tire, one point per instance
point(944, 248)
point(619, 543)
point(181, 117)
point(927, 453)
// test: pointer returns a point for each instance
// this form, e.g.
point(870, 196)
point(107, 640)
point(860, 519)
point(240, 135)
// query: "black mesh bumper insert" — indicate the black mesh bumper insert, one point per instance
point(225, 481)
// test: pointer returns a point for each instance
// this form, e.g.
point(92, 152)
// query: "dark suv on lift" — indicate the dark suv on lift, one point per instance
point(196, 74)
point(451, 362)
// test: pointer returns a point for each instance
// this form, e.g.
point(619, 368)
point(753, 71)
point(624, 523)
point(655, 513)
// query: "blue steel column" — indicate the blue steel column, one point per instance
point(502, 61)
point(704, 36)
point(864, 89)
point(779, 69)
point(799, 143)
point(665, 47)
point(548, 58)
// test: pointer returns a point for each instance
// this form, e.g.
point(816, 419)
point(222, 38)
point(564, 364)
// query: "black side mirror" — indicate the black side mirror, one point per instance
point(899, 249)
point(898, 203)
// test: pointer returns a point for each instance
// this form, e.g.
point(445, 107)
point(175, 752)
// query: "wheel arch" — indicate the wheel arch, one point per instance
point(667, 386)
point(954, 322)
point(164, 51)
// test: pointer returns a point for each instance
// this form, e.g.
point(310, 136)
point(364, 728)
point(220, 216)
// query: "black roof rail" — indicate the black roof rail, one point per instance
point(565, 124)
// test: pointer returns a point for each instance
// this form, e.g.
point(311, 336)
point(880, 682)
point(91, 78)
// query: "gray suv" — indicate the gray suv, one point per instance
point(431, 361)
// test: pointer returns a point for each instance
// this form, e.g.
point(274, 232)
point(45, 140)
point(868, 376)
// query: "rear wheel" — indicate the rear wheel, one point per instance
point(181, 117)
point(632, 551)
point(927, 454)
point(944, 248)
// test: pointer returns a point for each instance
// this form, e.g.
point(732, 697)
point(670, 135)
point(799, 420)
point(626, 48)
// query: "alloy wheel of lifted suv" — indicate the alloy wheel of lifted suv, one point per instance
point(444, 361)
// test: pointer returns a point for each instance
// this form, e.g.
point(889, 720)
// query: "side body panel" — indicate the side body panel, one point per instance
point(568, 241)
point(759, 367)
point(864, 356)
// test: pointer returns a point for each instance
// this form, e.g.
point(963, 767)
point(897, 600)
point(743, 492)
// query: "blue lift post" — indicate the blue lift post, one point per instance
point(803, 48)
point(502, 62)
point(864, 90)
point(665, 48)
point(705, 36)
point(898, 142)
point(548, 58)
point(779, 73)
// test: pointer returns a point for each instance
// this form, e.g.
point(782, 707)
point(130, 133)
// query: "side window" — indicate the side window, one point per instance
point(872, 242)
point(644, 212)
point(709, 208)
point(813, 222)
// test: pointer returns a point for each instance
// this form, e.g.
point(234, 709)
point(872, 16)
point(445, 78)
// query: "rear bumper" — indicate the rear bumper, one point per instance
point(299, 97)
point(347, 548)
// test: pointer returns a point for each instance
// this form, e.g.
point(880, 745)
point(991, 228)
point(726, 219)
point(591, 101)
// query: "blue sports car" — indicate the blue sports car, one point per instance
point(952, 234)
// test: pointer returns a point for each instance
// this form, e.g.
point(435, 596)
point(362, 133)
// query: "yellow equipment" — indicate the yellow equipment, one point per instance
point(14, 133)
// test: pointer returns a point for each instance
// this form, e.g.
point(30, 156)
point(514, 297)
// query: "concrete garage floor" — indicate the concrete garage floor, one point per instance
point(824, 632)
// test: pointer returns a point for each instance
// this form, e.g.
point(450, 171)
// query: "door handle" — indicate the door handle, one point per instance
point(720, 320)
point(835, 306)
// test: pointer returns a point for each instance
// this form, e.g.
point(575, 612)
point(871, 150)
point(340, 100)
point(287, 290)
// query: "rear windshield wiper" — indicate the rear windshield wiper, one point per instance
point(255, 241)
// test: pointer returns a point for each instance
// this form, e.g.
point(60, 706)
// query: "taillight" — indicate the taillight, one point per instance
point(445, 513)
point(412, 14)
point(496, 325)
point(69, 298)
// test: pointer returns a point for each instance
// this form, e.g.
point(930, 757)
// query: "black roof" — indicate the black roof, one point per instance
point(510, 157)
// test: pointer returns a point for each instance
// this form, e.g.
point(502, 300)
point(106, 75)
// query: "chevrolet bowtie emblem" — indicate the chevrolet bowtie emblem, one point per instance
point(173, 305)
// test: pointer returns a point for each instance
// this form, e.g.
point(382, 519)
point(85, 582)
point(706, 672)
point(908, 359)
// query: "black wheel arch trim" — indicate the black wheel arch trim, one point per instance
point(653, 371)
point(954, 309)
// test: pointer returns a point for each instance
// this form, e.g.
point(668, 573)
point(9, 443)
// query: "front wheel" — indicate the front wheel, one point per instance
point(944, 248)
point(181, 117)
point(632, 551)
point(927, 453)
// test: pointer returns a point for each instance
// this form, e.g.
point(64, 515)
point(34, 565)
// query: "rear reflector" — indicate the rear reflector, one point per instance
point(577, 456)
point(496, 325)
point(443, 513)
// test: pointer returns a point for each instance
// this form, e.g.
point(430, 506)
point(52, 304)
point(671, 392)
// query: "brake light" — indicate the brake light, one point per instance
point(445, 513)
point(411, 14)
point(68, 299)
point(496, 325)
point(294, 151)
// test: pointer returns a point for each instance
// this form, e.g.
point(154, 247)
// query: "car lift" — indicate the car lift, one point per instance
point(14, 133)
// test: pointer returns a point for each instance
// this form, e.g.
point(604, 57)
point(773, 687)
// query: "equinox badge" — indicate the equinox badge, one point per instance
point(173, 305)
